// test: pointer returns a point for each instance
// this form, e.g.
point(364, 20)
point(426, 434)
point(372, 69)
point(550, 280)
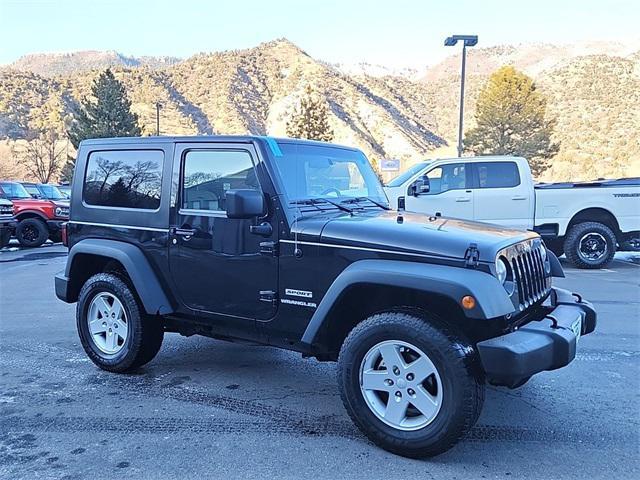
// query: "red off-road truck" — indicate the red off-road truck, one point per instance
point(37, 219)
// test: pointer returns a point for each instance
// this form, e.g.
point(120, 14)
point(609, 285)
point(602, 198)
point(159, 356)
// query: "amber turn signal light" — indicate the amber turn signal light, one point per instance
point(468, 302)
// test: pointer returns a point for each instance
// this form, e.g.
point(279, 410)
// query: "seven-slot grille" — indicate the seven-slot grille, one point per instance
point(532, 282)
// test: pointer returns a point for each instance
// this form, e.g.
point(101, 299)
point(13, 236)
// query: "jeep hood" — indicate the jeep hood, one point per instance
point(417, 233)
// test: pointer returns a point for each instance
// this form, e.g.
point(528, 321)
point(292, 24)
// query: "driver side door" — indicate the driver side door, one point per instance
point(218, 264)
point(449, 192)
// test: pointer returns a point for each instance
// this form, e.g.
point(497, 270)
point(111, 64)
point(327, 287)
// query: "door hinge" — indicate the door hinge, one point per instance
point(472, 256)
point(269, 248)
point(269, 296)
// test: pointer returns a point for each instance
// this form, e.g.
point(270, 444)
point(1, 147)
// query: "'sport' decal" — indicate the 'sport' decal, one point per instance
point(292, 292)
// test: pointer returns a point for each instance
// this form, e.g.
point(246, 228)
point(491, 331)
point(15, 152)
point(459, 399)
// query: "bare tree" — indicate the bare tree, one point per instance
point(43, 156)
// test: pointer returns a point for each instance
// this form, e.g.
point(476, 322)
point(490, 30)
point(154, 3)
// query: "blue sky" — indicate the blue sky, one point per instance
point(393, 32)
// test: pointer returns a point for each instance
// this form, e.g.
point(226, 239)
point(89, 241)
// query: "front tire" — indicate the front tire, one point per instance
point(115, 332)
point(418, 413)
point(590, 245)
point(32, 232)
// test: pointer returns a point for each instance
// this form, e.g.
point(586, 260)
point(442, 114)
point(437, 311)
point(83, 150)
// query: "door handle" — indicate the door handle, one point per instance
point(463, 199)
point(519, 197)
point(184, 232)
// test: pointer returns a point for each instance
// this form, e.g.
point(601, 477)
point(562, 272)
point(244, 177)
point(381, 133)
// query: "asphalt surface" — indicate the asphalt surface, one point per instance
point(209, 409)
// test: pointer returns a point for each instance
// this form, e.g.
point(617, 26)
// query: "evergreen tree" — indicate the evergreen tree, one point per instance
point(310, 119)
point(108, 114)
point(511, 120)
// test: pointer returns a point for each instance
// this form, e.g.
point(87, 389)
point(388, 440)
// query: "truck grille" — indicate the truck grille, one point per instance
point(532, 281)
point(6, 211)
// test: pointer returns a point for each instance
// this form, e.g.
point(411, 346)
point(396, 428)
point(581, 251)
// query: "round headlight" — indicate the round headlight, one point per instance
point(543, 253)
point(58, 212)
point(501, 270)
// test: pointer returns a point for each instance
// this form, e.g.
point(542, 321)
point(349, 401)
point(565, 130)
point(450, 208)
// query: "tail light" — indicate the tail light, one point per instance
point(63, 234)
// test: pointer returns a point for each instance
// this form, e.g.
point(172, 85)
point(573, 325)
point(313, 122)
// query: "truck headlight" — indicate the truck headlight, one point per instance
point(61, 212)
point(501, 270)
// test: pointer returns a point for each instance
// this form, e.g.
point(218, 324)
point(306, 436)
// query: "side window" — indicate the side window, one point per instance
point(124, 178)
point(498, 174)
point(447, 177)
point(208, 174)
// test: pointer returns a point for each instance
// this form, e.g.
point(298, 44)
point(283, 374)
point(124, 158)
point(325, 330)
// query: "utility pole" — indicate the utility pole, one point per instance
point(467, 41)
point(158, 107)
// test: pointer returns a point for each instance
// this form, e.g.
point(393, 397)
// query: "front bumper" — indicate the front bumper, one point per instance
point(55, 225)
point(545, 344)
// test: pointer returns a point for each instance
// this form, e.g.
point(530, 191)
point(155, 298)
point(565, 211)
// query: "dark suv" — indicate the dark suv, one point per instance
point(292, 243)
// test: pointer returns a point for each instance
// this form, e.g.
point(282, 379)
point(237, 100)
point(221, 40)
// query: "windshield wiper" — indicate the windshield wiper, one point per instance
point(360, 199)
point(316, 201)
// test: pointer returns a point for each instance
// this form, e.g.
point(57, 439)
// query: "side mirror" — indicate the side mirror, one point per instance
point(244, 203)
point(420, 186)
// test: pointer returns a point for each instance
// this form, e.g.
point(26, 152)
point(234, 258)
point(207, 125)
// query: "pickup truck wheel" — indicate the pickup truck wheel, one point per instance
point(413, 388)
point(32, 232)
point(114, 330)
point(590, 245)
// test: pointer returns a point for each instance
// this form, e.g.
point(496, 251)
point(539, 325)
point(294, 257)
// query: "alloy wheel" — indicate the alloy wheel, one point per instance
point(107, 322)
point(401, 385)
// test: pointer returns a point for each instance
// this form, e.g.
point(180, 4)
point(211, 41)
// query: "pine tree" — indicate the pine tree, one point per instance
point(511, 120)
point(310, 119)
point(108, 114)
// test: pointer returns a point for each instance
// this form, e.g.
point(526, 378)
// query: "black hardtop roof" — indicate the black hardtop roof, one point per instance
point(205, 138)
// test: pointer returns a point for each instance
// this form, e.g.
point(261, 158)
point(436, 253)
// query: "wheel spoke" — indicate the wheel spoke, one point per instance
point(375, 380)
point(122, 329)
point(391, 356)
point(111, 341)
point(104, 305)
point(424, 402)
point(396, 410)
point(117, 310)
point(421, 368)
point(96, 326)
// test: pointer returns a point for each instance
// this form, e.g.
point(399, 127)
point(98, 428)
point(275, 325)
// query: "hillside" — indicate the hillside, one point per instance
point(594, 95)
point(54, 64)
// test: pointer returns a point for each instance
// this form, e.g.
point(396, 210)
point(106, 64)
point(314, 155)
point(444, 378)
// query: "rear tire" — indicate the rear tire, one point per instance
point(32, 232)
point(456, 387)
point(144, 333)
point(590, 245)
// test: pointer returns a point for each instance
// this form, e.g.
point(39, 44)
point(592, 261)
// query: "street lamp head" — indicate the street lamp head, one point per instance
point(469, 40)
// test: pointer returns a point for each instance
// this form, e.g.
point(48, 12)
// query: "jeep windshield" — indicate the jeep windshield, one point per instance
point(14, 191)
point(328, 176)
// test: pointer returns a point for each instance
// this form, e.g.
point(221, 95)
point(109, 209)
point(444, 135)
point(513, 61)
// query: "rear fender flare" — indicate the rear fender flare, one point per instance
point(135, 263)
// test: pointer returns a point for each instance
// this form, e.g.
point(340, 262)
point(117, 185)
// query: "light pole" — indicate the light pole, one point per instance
point(467, 41)
point(158, 107)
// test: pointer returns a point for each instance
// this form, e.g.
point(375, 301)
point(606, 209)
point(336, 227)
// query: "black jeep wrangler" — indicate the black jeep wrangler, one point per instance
point(292, 243)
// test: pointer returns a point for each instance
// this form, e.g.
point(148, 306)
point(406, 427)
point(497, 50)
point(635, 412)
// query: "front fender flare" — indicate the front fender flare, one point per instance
point(453, 282)
point(135, 263)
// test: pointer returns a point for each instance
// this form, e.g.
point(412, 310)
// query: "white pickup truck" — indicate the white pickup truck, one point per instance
point(586, 221)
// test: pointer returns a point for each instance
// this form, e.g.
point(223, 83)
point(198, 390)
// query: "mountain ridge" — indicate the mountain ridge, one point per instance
point(255, 90)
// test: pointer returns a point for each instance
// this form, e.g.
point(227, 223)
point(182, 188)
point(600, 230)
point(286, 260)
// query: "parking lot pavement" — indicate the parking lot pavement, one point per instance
point(208, 409)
